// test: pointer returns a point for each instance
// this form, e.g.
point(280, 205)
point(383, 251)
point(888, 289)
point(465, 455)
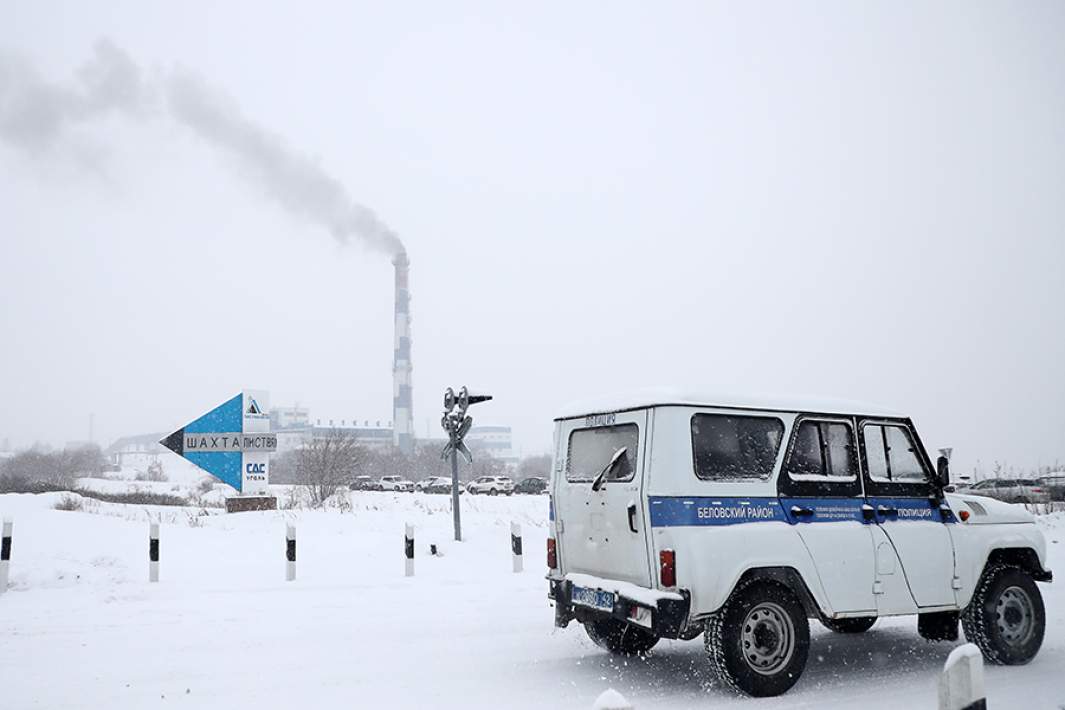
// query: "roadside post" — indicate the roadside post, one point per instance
point(515, 545)
point(153, 552)
point(233, 443)
point(961, 685)
point(457, 424)
point(408, 550)
point(290, 552)
point(611, 699)
point(5, 554)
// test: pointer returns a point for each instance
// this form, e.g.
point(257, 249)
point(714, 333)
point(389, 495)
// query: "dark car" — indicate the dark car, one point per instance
point(364, 483)
point(534, 485)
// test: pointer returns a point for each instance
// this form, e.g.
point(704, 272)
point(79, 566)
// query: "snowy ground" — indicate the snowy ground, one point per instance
point(82, 628)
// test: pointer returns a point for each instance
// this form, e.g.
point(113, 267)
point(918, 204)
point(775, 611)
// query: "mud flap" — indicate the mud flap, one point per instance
point(938, 626)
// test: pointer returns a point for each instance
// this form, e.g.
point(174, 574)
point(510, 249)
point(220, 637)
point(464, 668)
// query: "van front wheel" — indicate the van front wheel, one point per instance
point(1006, 618)
point(620, 638)
point(758, 641)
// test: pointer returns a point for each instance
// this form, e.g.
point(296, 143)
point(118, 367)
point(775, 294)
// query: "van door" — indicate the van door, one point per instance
point(898, 484)
point(821, 492)
point(599, 507)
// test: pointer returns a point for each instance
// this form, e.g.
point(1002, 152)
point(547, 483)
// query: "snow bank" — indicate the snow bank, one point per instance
point(82, 627)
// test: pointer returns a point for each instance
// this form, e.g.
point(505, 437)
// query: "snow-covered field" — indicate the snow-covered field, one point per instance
point(81, 627)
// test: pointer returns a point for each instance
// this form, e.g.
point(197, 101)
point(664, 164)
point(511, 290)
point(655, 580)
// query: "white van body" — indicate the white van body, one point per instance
point(849, 539)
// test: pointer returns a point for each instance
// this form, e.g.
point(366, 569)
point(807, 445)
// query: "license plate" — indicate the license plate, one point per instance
point(595, 598)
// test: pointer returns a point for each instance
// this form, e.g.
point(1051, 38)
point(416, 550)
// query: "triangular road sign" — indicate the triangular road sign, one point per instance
point(225, 418)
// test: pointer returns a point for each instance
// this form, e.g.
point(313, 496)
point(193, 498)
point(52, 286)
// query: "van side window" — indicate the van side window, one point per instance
point(726, 447)
point(891, 454)
point(824, 449)
point(590, 451)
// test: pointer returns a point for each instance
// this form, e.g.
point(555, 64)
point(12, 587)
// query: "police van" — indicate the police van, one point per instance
point(676, 515)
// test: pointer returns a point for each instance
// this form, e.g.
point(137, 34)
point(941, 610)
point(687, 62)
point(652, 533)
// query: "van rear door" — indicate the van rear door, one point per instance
point(599, 508)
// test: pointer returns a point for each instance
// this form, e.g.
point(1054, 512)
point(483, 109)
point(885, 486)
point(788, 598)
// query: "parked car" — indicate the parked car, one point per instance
point(1054, 484)
point(533, 485)
point(491, 485)
point(1010, 490)
point(753, 516)
point(395, 483)
point(364, 483)
point(436, 484)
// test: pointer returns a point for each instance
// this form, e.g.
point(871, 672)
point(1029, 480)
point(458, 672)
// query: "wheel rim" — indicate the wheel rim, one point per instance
point(1015, 616)
point(768, 638)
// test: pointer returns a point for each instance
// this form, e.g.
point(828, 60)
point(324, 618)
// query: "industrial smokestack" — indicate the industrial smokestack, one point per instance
point(402, 408)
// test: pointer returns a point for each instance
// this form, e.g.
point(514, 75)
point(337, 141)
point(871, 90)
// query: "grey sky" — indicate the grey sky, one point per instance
point(852, 200)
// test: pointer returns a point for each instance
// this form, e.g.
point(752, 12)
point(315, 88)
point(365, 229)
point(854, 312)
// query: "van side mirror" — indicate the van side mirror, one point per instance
point(943, 472)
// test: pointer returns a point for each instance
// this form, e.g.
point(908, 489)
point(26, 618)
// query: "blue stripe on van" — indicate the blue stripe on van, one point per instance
point(673, 511)
point(667, 511)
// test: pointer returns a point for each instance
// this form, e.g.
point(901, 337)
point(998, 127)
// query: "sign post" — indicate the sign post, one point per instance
point(457, 424)
point(233, 443)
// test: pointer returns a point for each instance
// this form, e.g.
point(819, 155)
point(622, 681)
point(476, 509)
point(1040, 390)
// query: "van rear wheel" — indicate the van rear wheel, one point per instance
point(620, 638)
point(856, 625)
point(758, 641)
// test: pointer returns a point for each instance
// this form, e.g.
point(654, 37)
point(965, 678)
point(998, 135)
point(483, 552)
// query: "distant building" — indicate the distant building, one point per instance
point(137, 451)
point(492, 440)
point(289, 418)
point(374, 436)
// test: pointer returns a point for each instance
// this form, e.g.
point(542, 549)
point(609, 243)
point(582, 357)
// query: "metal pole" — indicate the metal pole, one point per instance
point(455, 493)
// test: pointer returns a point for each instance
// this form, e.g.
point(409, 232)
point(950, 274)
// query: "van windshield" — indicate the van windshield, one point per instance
point(590, 450)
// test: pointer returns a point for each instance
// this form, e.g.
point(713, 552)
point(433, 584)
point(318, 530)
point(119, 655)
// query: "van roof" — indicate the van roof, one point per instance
point(664, 396)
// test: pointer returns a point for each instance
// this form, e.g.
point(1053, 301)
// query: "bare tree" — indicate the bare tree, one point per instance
point(539, 466)
point(486, 465)
point(328, 463)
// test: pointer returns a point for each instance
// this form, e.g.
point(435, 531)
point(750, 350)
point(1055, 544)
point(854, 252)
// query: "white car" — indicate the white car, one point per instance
point(676, 515)
point(491, 485)
point(395, 483)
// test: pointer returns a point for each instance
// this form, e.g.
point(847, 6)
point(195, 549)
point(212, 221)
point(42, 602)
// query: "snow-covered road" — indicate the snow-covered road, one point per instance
point(81, 626)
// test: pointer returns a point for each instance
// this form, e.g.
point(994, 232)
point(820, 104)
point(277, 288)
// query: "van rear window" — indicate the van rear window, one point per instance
point(590, 450)
point(727, 447)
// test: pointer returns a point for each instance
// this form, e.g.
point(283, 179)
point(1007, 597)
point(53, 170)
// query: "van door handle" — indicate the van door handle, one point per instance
point(886, 511)
point(800, 512)
point(632, 517)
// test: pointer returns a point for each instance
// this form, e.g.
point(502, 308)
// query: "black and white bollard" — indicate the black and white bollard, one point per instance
point(153, 552)
point(5, 555)
point(515, 545)
point(408, 549)
point(290, 552)
point(961, 685)
point(611, 699)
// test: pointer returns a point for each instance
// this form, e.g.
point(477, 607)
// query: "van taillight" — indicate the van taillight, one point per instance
point(552, 554)
point(667, 568)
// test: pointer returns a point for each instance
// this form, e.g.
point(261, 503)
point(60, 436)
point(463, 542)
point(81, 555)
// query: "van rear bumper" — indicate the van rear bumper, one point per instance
point(669, 615)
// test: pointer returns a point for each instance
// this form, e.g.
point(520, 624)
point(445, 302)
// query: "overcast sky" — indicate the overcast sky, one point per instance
point(859, 200)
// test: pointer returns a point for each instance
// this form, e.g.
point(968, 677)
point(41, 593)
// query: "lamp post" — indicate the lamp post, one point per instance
point(457, 424)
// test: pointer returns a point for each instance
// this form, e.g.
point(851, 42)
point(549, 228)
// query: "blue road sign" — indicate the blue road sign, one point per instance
point(223, 439)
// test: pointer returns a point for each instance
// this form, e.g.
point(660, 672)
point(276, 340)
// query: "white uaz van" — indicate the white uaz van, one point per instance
point(676, 515)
